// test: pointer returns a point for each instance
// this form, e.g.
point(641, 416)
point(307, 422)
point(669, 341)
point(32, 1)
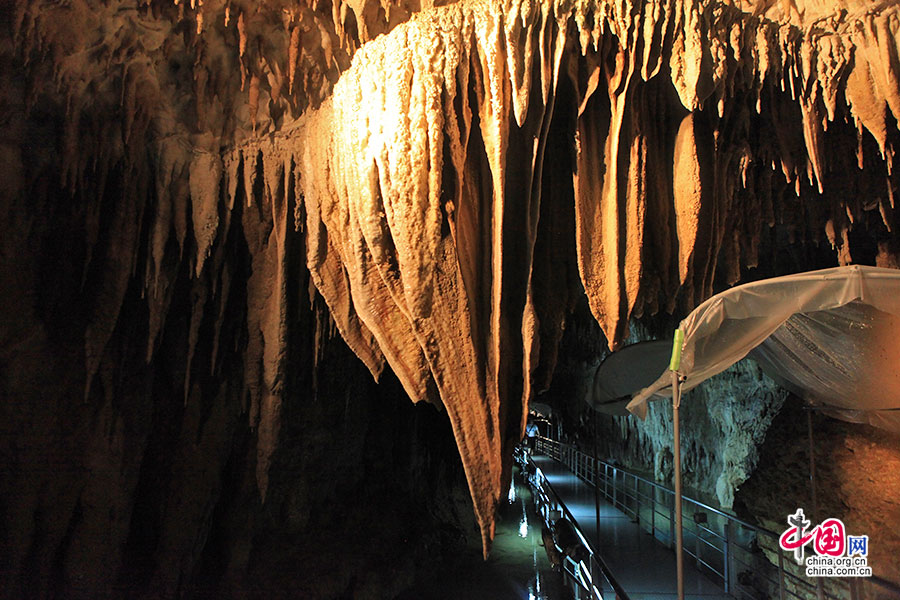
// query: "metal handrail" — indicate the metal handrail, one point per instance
point(620, 592)
point(605, 477)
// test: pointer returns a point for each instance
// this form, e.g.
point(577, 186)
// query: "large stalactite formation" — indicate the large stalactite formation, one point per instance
point(450, 185)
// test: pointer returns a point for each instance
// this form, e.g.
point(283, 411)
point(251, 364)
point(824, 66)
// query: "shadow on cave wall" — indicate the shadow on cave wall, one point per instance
point(146, 485)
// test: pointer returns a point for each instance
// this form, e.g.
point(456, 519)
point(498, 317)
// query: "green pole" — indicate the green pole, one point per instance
point(674, 365)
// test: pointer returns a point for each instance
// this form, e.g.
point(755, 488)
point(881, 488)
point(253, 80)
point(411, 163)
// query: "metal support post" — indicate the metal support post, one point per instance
point(679, 539)
point(674, 365)
point(596, 496)
point(637, 503)
point(726, 569)
point(614, 488)
point(820, 585)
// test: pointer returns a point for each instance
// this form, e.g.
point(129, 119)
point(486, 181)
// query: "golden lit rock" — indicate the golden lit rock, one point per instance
point(411, 150)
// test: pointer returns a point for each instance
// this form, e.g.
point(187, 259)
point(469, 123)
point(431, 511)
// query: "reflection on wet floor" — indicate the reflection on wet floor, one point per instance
point(518, 567)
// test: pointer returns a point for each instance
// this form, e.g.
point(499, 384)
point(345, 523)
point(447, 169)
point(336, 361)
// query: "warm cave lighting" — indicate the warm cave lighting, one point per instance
point(283, 284)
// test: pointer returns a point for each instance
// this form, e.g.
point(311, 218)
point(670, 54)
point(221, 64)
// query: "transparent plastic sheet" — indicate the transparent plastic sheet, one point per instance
point(830, 336)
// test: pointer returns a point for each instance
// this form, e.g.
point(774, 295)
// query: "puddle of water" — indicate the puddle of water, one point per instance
point(518, 568)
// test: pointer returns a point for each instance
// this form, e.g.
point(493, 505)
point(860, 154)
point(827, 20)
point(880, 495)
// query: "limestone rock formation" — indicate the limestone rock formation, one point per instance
point(439, 181)
point(641, 162)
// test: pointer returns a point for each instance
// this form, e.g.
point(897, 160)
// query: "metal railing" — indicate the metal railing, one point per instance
point(744, 557)
point(583, 576)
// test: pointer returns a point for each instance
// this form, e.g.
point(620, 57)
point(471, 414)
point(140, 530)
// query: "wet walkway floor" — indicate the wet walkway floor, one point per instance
point(643, 566)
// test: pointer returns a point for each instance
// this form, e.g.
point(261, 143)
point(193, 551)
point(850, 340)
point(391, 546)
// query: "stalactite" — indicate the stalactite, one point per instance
point(690, 126)
point(614, 177)
point(205, 176)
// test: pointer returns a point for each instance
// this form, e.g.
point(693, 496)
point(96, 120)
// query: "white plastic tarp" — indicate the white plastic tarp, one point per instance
point(831, 336)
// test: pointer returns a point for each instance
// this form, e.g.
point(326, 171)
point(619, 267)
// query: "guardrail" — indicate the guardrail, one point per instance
point(746, 558)
point(582, 575)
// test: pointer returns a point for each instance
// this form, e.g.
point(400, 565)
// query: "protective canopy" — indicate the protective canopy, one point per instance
point(541, 409)
point(625, 372)
point(830, 336)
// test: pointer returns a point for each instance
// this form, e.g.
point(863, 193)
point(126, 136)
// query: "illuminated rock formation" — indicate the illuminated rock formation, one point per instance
point(388, 163)
point(444, 181)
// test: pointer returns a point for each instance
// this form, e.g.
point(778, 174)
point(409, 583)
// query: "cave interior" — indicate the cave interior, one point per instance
point(280, 279)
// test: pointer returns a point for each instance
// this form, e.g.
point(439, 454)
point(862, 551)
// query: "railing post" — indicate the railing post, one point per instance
point(593, 574)
point(672, 522)
point(614, 487)
point(585, 467)
point(727, 557)
point(637, 503)
point(697, 531)
point(606, 482)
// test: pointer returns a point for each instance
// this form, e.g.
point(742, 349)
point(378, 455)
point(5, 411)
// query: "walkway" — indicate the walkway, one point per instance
point(517, 569)
point(643, 566)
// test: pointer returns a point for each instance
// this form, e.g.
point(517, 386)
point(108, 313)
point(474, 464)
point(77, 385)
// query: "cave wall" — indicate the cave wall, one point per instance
point(745, 441)
point(724, 421)
point(855, 466)
point(148, 482)
point(197, 196)
point(135, 382)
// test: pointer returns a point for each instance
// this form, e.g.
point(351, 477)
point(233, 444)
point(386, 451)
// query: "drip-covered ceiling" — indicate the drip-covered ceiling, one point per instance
point(457, 173)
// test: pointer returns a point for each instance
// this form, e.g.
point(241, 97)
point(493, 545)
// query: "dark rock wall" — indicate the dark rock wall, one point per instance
point(856, 481)
point(148, 482)
point(724, 421)
point(142, 479)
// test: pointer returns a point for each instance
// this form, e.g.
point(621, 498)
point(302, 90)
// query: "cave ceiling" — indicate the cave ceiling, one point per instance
point(457, 174)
